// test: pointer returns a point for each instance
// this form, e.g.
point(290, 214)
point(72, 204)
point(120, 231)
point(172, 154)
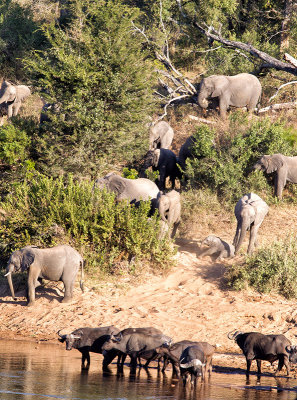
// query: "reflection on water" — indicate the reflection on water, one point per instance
point(32, 372)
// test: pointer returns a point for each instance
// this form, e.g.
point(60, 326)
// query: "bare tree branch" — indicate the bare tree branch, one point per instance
point(281, 106)
point(285, 84)
point(291, 59)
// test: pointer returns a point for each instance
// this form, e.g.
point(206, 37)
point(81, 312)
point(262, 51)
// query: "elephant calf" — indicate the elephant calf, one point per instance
point(161, 135)
point(170, 209)
point(217, 247)
point(285, 169)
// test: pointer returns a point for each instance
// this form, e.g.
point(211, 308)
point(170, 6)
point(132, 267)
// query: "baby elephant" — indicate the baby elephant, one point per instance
point(217, 247)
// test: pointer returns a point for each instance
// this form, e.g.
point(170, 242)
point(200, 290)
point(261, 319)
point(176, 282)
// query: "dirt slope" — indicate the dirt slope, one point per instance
point(189, 303)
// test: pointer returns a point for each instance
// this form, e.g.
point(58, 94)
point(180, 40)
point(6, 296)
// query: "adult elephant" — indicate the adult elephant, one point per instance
point(11, 96)
point(285, 169)
point(133, 190)
point(59, 263)
point(250, 212)
point(242, 90)
point(186, 152)
point(169, 206)
point(164, 161)
point(161, 135)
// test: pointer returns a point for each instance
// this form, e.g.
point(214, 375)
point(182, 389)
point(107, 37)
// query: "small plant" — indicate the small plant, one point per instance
point(152, 175)
point(130, 173)
point(14, 144)
point(271, 268)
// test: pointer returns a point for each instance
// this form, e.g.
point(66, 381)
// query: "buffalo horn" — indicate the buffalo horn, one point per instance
point(61, 336)
point(192, 363)
point(233, 334)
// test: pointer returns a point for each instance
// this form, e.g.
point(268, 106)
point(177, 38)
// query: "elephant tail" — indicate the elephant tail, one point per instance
point(81, 282)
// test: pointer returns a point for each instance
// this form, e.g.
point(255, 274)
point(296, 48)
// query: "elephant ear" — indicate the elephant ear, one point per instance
point(27, 259)
point(219, 86)
point(116, 184)
point(274, 162)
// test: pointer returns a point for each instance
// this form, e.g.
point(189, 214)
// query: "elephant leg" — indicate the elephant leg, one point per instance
point(279, 183)
point(16, 108)
point(9, 111)
point(162, 181)
point(253, 236)
point(68, 291)
point(287, 364)
point(223, 107)
point(237, 235)
point(208, 252)
point(32, 284)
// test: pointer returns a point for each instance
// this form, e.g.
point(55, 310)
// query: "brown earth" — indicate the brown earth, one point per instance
point(190, 302)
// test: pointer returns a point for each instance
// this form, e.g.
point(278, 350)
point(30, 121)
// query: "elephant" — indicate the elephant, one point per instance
point(46, 109)
point(185, 152)
point(250, 212)
point(133, 190)
point(218, 247)
point(242, 90)
point(164, 161)
point(169, 206)
point(285, 168)
point(12, 96)
point(161, 135)
point(59, 263)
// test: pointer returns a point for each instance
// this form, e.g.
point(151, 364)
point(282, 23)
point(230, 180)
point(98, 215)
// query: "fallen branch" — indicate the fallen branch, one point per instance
point(291, 59)
point(285, 84)
point(203, 120)
point(280, 106)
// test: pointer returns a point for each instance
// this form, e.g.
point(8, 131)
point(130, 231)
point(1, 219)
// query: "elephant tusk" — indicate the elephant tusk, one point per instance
point(8, 273)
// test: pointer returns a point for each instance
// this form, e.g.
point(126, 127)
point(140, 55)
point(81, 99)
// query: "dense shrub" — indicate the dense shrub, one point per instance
point(45, 211)
point(102, 81)
point(14, 144)
point(223, 162)
point(271, 268)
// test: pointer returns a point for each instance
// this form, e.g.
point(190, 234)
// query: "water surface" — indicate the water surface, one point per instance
point(30, 371)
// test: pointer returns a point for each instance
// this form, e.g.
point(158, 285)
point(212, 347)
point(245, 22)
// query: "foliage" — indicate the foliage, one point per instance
point(273, 267)
point(45, 211)
point(19, 34)
point(130, 173)
point(97, 73)
point(14, 144)
point(224, 162)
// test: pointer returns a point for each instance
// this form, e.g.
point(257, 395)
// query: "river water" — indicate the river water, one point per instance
point(30, 371)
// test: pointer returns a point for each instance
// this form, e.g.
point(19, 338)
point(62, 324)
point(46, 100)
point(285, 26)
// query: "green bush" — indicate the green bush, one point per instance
point(103, 83)
point(223, 162)
point(14, 144)
point(271, 268)
point(45, 211)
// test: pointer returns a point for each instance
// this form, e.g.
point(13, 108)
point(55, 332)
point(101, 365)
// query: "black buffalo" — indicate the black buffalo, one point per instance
point(134, 341)
point(256, 346)
point(192, 362)
point(88, 340)
point(173, 353)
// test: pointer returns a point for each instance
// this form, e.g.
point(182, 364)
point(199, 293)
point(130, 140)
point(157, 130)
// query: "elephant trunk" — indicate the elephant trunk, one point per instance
point(203, 103)
point(10, 284)
point(243, 232)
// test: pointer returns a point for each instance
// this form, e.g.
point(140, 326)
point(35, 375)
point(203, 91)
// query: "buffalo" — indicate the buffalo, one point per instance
point(192, 362)
point(256, 346)
point(134, 341)
point(88, 340)
point(173, 353)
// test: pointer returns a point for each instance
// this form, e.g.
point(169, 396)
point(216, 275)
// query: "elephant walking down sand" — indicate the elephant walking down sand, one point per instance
point(250, 212)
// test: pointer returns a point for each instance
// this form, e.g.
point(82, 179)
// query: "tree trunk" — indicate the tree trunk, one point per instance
point(285, 32)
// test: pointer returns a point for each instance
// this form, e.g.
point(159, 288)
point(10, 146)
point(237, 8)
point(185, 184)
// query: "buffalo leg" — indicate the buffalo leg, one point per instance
point(259, 366)
point(280, 364)
point(248, 366)
point(85, 355)
point(287, 365)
